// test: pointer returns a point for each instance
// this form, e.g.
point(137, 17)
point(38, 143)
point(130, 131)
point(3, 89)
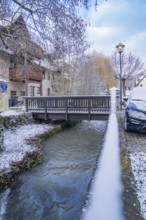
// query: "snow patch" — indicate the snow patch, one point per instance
point(15, 143)
point(138, 163)
point(3, 202)
point(10, 113)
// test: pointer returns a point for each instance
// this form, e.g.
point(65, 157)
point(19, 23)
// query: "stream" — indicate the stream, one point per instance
point(57, 188)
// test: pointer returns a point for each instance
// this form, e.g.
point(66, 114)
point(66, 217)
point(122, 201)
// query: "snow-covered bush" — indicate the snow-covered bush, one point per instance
point(8, 121)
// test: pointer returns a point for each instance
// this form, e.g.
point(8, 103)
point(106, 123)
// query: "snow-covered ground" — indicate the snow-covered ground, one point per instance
point(138, 163)
point(16, 144)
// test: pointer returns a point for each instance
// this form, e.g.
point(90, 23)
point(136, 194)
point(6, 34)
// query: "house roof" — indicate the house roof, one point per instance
point(17, 38)
point(44, 63)
point(140, 80)
point(3, 80)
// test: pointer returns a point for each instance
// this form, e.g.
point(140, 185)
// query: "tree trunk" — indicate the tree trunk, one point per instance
point(124, 87)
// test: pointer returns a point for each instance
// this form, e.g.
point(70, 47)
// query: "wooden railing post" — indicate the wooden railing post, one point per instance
point(66, 107)
point(89, 108)
point(45, 106)
point(26, 102)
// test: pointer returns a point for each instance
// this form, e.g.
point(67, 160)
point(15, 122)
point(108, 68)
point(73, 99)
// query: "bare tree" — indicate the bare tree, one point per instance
point(132, 69)
point(47, 21)
point(53, 24)
point(94, 75)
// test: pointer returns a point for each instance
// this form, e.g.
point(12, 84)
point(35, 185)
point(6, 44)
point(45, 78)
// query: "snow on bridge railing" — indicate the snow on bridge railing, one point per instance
point(106, 200)
point(69, 103)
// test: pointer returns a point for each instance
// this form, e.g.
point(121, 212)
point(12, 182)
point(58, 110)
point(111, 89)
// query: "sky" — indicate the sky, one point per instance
point(117, 21)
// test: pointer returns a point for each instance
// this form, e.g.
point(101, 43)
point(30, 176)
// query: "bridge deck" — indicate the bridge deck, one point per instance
point(69, 107)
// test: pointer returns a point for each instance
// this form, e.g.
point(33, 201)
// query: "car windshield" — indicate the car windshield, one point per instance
point(138, 94)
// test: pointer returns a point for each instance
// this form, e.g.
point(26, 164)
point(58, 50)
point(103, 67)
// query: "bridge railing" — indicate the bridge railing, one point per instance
point(68, 104)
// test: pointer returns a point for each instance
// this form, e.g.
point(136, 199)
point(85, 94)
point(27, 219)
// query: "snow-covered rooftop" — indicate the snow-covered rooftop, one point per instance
point(3, 80)
point(44, 63)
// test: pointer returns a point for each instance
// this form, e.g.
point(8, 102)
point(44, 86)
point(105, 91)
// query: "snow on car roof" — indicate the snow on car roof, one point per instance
point(138, 93)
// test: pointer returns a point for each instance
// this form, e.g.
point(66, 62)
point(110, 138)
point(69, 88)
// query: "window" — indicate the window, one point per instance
point(22, 93)
point(13, 93)
point(43, 72)
point(48, 91)
point(38, 90)
point(12, 64)
point(32, 88)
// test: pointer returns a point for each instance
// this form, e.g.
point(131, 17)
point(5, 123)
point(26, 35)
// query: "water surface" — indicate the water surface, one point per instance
point(57, 188)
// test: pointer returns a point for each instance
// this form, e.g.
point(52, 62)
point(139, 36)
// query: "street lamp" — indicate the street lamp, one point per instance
point(120, 48)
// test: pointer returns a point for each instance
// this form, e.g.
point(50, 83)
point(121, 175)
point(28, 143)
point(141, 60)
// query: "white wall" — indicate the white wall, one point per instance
point(35, 85)
point(143, 82)
point(46, 84)
point(18, 87)
point(4, 74)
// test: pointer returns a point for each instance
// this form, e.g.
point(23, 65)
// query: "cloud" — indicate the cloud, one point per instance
point(117, 21)
point(104, 38)
point(136, 44)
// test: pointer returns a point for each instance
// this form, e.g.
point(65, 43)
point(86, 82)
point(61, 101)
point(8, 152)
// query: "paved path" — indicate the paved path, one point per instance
point(130, 142)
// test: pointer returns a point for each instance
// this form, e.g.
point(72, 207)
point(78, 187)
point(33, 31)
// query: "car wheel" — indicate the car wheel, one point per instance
point(126, 124)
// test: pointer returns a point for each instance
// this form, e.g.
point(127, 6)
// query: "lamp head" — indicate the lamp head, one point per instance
point(120, 47)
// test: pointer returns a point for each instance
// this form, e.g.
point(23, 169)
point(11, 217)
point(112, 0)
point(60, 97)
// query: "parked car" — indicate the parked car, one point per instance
point(135, 110)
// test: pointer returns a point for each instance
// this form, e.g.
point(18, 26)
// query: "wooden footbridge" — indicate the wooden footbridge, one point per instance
point(69, 107)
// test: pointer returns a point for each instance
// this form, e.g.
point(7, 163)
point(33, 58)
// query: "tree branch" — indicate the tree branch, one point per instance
point(23, 6)
point(5, 45)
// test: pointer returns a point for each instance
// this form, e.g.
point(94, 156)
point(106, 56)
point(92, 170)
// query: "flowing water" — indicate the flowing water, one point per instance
point(57, 188)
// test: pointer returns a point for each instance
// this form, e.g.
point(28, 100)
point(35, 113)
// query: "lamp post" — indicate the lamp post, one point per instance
point(120, 48)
